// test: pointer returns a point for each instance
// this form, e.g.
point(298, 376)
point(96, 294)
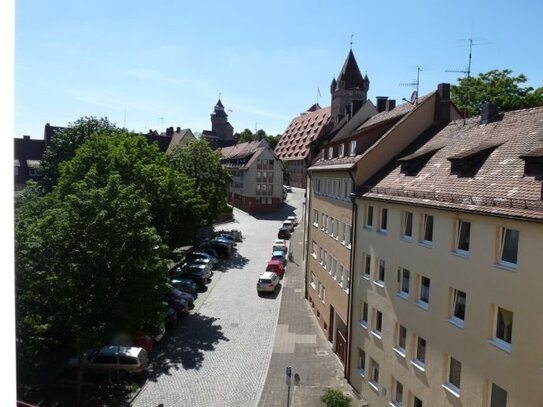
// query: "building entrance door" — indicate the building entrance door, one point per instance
point(331, 328)
point(341, 346)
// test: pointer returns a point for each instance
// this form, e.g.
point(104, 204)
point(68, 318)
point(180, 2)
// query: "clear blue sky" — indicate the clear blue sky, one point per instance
point(137, 61)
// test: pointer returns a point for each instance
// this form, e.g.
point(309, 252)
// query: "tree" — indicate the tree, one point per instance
point(498, 87)
point(199, 162)
point(246, 136)
point(273, 141)
point(65, 143)
point(335, 398)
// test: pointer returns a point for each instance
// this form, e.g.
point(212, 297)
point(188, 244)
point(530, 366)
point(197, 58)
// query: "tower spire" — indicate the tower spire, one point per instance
point(351, 43)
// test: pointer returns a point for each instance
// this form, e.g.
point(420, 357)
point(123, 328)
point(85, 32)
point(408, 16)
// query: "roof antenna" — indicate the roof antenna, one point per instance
point(351, 43)
point(415, 95)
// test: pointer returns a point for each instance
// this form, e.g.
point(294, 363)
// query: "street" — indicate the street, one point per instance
point(219, 354)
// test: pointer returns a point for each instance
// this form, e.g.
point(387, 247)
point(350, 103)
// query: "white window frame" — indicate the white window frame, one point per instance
point(380, 273)
point(383, 215)
point(453, 319)
point(341, 150)
point(401, 292)
point(377, 330)
point(314, 249)
point(352, 148)
point(421, 302)
point(397, 390)
point(453, 388)
point(374, 375)
point(425, 219)
point(330, 152)
point(416, 361)
point(348, 236)
point(366, 270)
point(369, 217)
point(503, 237)
point(398, 348)
point(312, 280)
point(501, 342)
point(315, 218)
point(364, 311)
point(346, 280)
point(361, 362)
point(459, 229)
point(407, 225)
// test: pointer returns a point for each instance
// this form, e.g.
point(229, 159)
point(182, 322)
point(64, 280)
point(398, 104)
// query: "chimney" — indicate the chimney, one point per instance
point(26, 137)
point(391, 104)
point(443, 104)
point(488, 113)
point(381, 103)
point(178, 130)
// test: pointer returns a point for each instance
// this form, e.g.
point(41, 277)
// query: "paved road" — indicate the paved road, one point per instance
point(220, 353)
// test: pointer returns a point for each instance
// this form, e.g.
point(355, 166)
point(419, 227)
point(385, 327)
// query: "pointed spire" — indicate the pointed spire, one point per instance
point(219, 103)
point(350, 76)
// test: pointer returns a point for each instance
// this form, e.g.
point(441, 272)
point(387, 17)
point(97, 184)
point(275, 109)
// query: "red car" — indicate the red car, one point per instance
point(276, 266)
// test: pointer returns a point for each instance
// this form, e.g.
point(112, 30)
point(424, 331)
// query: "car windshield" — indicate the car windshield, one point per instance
point(264, 281)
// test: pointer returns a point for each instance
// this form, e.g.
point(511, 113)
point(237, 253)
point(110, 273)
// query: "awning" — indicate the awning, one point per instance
point(16, 163)
point(33, 163)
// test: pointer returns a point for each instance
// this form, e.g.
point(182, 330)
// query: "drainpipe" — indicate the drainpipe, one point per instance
point(351, 272)
point(308, 189)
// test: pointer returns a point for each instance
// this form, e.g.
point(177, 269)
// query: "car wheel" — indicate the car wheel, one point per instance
point(123, 375)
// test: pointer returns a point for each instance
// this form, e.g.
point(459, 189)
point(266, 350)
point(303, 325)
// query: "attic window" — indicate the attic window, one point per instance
point(330, 153)
point(341, 150)
point(468, 163)
point(412, 164)
point(533, 163)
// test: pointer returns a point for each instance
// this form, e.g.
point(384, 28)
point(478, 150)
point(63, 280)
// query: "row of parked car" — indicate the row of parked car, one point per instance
point(127, 355)
point(275, 269)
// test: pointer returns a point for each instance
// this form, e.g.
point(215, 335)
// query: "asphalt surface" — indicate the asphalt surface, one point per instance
point(219, 354)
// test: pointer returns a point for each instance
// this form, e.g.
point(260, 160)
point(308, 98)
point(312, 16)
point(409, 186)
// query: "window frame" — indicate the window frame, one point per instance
point(315, 218)
point(341, 150)
point(491, 392)
point(361, 362)
point(419, 343)
point(503, 237)
point(395, 401)
point(368, 224)
point(449, 385)
point(383, 216)
point(502, 343)
point(352, 148)
point(407, 225)
point(459, 233)
point(423, 302)
point(364, 310)
point(401, 350)
point(425, 228)
point(374, 374)
point(453, 318)
point(401, 279)
point(377, 330)
point(366, 273)
point(380, 274)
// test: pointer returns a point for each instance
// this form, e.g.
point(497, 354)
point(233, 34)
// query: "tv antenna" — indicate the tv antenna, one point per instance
point(415, 95)
point(161, 118)
point(471, 42)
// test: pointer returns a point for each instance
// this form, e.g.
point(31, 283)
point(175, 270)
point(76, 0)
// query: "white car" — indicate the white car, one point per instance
point(280, 244)
point(267, 282)
point(293, 219)
point(289, 224)
point(122, 360)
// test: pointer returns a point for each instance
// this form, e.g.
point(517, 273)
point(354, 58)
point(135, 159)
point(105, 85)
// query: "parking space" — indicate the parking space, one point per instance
point(218, 355)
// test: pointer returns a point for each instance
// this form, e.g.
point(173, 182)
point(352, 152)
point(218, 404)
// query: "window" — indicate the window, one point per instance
point(312, 281)
point(352, 148)
point(504, 329)
point(341, 150)
point(367, 267)
point(348, 236)
point(407, 225)
point(401, 340)
point(331, 222)
point(332, 265)
point(314, 249)
point(424, 292)
point(462, 237)
point(374, 378)
point(16, 170)
point(321, 292)
point(381, 273)
point(335, 232)
point(417, 402)
point(326, 224)
point(420, 353)
point(361, 362)
point(330, 152)
point(455, 372)
point(403, 279)
point(346, 279)
point(315, 218)
point(428, 233)
point(509, 247)
point(397, 399)
point(384, 216)
point(342, 233)
point(364, 314)
point(498, 396)
point(324, 258)
point(369, 217)
point(33, 172)
point(378, 324)
point(458, 308)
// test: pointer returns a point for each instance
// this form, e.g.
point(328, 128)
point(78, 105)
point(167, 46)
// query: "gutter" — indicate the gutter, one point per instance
point(305, 246)
point(351, 272)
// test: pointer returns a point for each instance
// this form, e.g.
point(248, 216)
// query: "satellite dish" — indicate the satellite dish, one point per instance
point(414, 96)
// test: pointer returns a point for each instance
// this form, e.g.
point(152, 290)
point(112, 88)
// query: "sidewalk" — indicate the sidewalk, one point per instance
point(300, 343)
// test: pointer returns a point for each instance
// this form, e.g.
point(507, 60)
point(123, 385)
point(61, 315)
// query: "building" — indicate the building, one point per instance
point(362, 140)
point(294, 146)
point(257, 176)
point(28, 153)
point(221, 133)
point(446, 291)
point(167, 141)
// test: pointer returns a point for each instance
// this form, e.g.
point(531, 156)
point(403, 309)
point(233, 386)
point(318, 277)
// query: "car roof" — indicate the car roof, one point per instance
point(283, 228)
point(291, 217)
point(267, 274)
point(279, 241)
point(275, 262)
point(120, 350)
point(278, 253)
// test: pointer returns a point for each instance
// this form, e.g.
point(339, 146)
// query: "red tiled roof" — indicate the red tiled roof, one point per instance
point(499, 186)
point(302, 130)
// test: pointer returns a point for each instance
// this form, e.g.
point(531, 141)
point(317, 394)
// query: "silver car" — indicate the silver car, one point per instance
point(122, 360)
point(267, 282)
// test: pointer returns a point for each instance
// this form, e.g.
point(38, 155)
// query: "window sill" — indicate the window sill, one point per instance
point(366, 277)
point(461, 253)
point(403, 295)
point(506, 266)
point(382, 232)
point(363, 324)
point(361, 372)
point(394, 404)
point(427, 244)
point(451, 388)
point(313, 286)
point(407, 239)
point(316, 225)
point(368, 227)
point(423, 305)
point(505, 346)
point(377, 334)
point(373, 385)
point(456, 322)
point(399, 351)
point(418, 364)
point(314, 255)
point(380, 283)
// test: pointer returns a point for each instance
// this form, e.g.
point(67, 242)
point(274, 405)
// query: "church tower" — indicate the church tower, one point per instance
point(350, 89)
point(219, 122)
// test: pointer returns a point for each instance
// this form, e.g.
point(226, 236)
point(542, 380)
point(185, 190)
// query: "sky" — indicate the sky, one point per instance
point(154, 64)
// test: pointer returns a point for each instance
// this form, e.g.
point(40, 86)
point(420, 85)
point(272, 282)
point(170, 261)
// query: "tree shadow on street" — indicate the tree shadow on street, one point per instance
point(281, 214)
point(185, 346)
point(236, 261)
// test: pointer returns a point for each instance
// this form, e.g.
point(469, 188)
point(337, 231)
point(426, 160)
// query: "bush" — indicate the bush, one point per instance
point(335, 398)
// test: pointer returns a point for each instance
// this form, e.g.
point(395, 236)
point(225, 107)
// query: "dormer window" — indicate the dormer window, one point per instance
point(322, 154)
point(413, 163)
point(352, 148)
point(341, 151)
point(467, 163)
point(533, 163)
point(330, 153)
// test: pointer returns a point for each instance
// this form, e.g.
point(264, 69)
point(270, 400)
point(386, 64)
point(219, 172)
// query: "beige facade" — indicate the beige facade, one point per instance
point(468, 305)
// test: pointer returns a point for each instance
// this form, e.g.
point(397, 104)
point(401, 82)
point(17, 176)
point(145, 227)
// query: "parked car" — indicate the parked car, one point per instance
point(288, 224)
point(293, 219)
point(224, 240)
point(198, 279)
point(111, 359)
point(287, 188)
point(267, 282)
point(185, 284)
point(284, 233)
point(171, 316)
point(280, 244)
point(144, 341)
point(281, 256)
point(209, 250)
point(198, 269)
point(180, 305)
point(276, 266)
point(228, 237)
point(201, 255)
point(175, 293)
point(222, 248)
point(204, 261)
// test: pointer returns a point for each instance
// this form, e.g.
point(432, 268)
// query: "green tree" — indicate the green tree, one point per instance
point(335, 398)
point(497, 87)
point(65, 143)
point(199, 162)
point(273, 141)
point(246, 136)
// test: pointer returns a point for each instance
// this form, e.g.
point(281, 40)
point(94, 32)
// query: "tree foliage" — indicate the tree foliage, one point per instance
point(198, 161)
point(498, 87)
point(335, 398)
point(248, 136)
